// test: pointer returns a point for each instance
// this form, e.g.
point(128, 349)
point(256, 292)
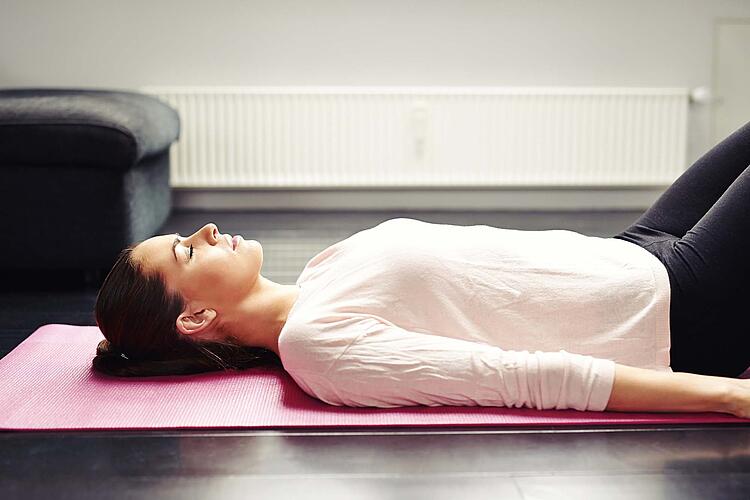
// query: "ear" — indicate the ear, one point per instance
point(192, 322)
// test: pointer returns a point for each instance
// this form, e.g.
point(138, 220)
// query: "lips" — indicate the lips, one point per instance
point(236, 241)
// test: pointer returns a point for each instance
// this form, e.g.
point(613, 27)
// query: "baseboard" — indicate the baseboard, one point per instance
point(362, 199)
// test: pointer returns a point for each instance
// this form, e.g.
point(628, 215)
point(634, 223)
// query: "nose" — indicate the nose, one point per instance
point(209, 233)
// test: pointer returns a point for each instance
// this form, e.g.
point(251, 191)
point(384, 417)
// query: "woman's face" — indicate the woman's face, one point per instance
point(215, 276)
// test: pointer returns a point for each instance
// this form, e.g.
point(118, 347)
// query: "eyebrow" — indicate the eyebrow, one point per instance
point(174, 245)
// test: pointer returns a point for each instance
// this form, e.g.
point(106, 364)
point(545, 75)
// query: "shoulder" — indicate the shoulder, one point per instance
point(314, 344)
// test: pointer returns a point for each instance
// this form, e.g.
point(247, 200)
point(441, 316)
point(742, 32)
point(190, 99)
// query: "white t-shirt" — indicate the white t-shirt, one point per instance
point(416, 313)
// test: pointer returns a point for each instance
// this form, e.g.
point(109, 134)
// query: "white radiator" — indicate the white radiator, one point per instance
point(426, 136)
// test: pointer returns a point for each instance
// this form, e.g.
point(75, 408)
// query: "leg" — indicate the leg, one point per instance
point(698, 229)
point(718, 246)
point(709, 266)
point(693, 193)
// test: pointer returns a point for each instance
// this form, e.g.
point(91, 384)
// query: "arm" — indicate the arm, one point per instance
point(365, 361)
point(639, 389)
point(383, 365)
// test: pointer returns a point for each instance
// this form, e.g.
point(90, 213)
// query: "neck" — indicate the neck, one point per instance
point(257, 320)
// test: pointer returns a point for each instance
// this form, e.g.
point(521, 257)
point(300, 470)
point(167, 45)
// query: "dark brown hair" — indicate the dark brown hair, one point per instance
point(137, 315)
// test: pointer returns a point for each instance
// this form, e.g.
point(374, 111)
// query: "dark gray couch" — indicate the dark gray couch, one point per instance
point(83, 173)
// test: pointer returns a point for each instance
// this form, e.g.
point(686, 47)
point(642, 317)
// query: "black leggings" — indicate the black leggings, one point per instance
point(699, 228)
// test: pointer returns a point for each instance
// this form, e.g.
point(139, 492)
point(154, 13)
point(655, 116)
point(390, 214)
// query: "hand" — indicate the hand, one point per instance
point(739, 398)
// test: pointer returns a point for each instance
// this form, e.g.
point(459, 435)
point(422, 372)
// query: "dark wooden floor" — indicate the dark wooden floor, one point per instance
point(710, 461)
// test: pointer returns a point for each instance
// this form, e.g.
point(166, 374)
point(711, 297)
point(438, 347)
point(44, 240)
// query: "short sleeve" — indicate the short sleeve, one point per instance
point(387, 366)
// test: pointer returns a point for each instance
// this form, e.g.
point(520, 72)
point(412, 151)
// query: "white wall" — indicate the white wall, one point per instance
point(130, 43)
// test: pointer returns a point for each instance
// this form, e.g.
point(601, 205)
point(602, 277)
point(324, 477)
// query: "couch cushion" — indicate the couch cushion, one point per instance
point(96, 128)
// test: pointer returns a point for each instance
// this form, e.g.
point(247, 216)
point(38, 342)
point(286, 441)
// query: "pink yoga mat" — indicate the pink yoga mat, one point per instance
point(48, 384)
